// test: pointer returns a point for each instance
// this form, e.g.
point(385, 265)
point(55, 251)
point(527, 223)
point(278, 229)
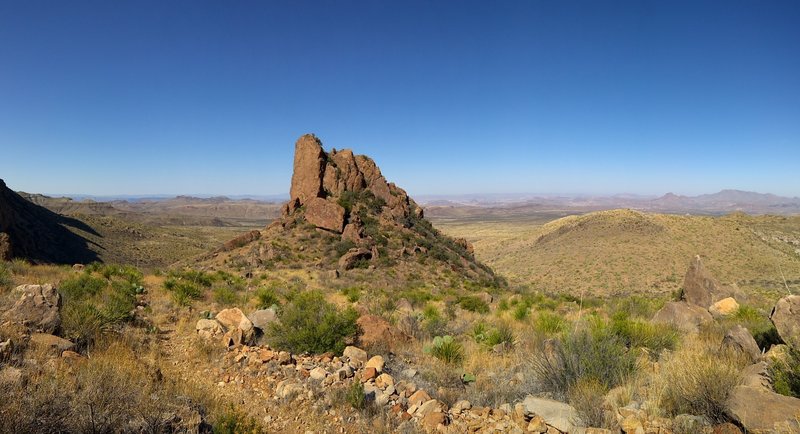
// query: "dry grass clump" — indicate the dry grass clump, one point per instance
point(113, 391)
point(698, 379)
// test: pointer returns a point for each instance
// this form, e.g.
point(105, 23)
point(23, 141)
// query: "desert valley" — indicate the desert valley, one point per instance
point(352, 308)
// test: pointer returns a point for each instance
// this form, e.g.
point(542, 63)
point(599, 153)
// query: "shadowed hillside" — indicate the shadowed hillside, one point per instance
point(39, 235)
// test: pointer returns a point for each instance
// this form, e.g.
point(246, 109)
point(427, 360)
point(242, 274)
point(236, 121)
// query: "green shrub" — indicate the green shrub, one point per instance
point(758, 323)
point(637, 306)
point(587, 396)
point(266, 298)
point(502, 334)
point(588, 354)
point(356, 396)
point(353, 293)
point(521, 311)
point(549, 323)
point(233, 421)
point(643, 334)
point(225, 296)
point(310, 324)
point(503, 305)
point(446, 349)
point(183, 291)
point(5, 276)
point(785, 374)
point(417, 297)
point(473, 304)
point(82, 286)
point(699, 382)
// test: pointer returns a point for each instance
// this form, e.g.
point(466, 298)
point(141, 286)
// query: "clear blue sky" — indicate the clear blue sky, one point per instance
point(138, 97)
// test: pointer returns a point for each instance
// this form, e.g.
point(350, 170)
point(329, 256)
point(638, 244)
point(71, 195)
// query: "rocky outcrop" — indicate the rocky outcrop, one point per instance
point(262, 318)
point(329, 176)
point(701, 288)
point(309, 167)
point(352, 258)
point(786, 317)
point(241, 240)
point(325, 214)
point(739, 339)
point(683, 316)
point(377, 331)
point(760, 410)
point(38, 308)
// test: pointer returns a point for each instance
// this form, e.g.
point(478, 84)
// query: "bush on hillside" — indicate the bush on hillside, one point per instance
point(310, 324)
point(446, 349)
point(473, 304)
point(589, 354)
point(785, 373)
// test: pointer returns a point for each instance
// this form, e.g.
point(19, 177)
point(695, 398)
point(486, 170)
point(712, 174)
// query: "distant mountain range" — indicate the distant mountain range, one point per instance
point(723, 202)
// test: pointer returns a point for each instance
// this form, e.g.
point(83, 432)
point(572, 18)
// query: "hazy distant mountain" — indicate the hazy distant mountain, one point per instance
point(723, 202)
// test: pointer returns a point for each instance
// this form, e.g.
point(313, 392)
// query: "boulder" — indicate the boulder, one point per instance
point(309, 167)
point(355, 354)
point(756, 375)
point(352, 232)
point(682, 315)
point(262, 318)
point(557, 414)
point(325, 214)
point(208, 328)
point(38, 308)
point(786, 317)
point(44, 340)
point(352, 257)
point(700, 287)
point(318, 373)
point(759, 410)
point(739, 339)
point(234, 318)
point(434, 419)
point(377, 331)
point(725, 307)
point(375, 362)
point(418, 398)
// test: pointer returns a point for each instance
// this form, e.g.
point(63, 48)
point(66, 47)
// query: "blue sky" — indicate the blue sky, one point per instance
point(137, 97)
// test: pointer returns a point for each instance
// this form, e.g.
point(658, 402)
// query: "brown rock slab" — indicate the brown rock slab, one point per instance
point(434, 419)
point(418, 398)
point(325, 214)
point(309, 167)
point(739, 339)
point(685, 316)
point(700, 287)
point(38, 308)
point(786, 317)
point(760, 410)
point(376, 330)
point(45, 340)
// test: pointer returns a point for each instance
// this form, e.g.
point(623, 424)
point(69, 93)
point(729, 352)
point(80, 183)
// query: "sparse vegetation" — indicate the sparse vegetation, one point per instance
point(698, 380)
point(785, 373)
point(446, 349)
point(590, 353)
point(308, 323)
point(473, 304)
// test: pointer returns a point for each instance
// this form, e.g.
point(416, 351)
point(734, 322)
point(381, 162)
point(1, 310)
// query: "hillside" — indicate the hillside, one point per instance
point(34, 233)
point(344, 217)
point(624, 251)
